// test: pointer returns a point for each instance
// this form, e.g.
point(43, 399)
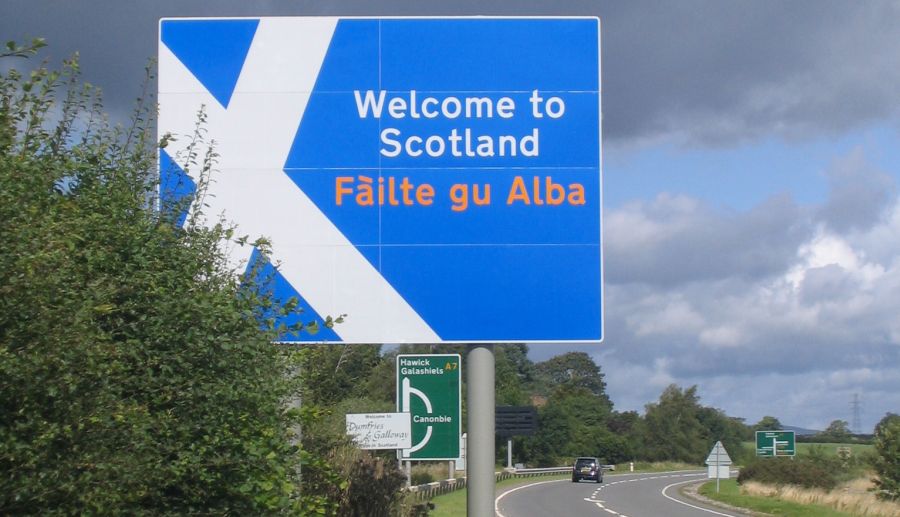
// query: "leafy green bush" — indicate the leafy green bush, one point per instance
point(421, 477)
point(134, 377)
point(887, 459)
point(365, 477)
point(786, 471)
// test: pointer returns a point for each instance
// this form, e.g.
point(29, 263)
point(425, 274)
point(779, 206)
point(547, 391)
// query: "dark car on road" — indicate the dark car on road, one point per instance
point(587, 468)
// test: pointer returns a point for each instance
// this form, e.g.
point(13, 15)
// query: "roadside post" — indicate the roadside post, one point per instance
point(480, 444)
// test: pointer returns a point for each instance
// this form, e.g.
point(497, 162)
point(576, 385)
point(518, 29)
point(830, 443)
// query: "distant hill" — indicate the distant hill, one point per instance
point(799, 431)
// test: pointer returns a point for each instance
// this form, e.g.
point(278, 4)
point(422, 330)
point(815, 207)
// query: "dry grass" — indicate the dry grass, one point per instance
point(852, 497)
point(433, 470)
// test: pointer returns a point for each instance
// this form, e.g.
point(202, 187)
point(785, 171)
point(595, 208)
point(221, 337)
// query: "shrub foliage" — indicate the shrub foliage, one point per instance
point(134, 377)
point(786, 471)
point(887, 459)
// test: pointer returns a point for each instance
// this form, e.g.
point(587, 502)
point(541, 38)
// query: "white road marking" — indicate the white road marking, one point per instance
point(504, 494)
point(599, 502)
point(667, 496)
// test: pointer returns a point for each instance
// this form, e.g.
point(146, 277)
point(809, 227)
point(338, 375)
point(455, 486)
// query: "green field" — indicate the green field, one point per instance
point(829, 449)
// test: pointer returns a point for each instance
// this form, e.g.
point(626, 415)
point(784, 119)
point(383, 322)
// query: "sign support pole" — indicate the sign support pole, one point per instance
point(717, 470)
point(480, 397)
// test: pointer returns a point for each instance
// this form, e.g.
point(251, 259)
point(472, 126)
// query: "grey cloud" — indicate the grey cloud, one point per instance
point(117, 39)
point(831, 321)
point(716, 73)
point(676, 240)
point(859, 196)
point(701, 72)
point(829, 282)
point(790, 382)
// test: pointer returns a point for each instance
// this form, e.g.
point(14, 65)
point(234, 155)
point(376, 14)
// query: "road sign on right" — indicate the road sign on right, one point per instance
point(775, 443)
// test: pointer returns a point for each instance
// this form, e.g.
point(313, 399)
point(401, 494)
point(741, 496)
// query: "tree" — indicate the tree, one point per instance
point(333, 373)
point(135, 375)
point(625, 425)
point(768, 423)
point(573, 370)
point(382, 379)
point(572, 421)
point(837, 430)
point(731, 431)
point(371, 482)
point(571, 424)
point(512, 372)
point(679, 428)
point(887, 459)
point(672, 428)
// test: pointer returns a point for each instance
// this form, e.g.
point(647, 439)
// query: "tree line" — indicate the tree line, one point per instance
point(575, 415)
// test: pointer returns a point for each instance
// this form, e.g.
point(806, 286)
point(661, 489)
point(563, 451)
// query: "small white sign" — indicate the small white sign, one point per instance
point(718, 455)
point(718, 463)
point(380, 430)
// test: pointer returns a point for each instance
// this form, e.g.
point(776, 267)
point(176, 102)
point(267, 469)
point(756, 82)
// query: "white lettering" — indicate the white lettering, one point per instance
point(451, 107)
point(397, 107)
point(465, 143)
point(363, 107)
point(385, 139)
point(429, 101)
point(457, 107)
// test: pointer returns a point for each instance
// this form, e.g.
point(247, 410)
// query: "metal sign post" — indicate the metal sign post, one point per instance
point(717, 470)
point(480, 448)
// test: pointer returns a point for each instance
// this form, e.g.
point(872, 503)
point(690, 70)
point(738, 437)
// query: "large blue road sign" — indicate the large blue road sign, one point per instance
point(435, 179)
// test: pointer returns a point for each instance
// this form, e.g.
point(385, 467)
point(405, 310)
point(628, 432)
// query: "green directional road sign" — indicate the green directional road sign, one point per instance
point(428, 387)
point(775, 443)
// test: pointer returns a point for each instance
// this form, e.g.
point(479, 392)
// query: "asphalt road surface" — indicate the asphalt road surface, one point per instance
point(626, 495)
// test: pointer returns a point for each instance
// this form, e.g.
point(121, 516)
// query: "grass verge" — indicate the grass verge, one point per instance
point(729, 493)
point(660, 466)
point(854, 497)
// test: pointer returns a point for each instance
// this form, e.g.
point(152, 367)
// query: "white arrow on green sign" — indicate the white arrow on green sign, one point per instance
point(428, 388)
point(775, 443)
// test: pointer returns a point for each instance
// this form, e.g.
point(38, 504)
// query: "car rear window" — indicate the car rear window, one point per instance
point(584, 462)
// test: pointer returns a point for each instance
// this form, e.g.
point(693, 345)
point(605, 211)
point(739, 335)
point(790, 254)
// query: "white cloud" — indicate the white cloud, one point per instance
point(816, 325)
point(722, 336)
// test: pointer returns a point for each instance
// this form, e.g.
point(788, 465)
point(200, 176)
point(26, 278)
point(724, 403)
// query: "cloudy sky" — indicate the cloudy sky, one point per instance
point(751, 161)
